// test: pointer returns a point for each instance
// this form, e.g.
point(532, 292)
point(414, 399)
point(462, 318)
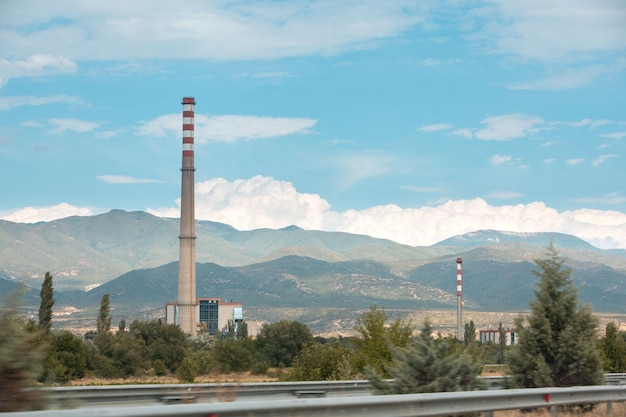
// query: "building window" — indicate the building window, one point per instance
point(209, 315)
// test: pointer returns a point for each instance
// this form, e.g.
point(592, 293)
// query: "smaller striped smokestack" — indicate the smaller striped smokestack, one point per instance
point(459, 298)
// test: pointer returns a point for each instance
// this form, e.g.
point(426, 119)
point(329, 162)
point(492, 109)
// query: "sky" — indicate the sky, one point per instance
point(407, 120)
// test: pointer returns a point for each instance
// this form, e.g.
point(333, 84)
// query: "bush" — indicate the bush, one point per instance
point(321, 362)
point(159, 368)
point(259, 368)
point(186, 371)
point(232, 356)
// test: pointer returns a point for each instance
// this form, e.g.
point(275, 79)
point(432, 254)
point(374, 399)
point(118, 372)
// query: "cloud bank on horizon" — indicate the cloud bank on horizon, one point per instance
point(264, 202)
point(411, 121)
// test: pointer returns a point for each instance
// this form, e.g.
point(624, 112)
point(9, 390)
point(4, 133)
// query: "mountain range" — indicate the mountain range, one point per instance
point(315, 275)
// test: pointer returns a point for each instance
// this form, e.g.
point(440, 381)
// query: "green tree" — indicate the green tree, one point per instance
point(375, 340)
point(502, 341)
point(428, 365)
point(66, 358)
point(46, 303)
point(283, 341)
point(122, 326)
point(103, 323)
point(469, 334)
point(162, 341)
point(233, 355)
point(613, 348)
point(127, 354)
point(558, 346)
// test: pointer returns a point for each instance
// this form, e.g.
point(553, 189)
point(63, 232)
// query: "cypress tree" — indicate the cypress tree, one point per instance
point(103, 323)
point(469, 334)
point(558, 346)
point(46, 303)
point(502, 341)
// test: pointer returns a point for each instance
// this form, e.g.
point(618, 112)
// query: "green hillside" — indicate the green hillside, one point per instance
point(288, 273)
point(88, 251)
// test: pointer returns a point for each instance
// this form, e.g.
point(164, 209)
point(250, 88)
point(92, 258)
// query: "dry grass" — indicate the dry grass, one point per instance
point(618, 410)
point(206, 379)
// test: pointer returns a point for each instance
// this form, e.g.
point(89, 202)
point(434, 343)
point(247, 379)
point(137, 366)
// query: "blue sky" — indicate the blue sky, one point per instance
point(412, 121)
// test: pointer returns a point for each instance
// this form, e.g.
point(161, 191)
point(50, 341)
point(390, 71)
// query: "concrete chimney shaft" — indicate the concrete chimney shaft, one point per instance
point(187, 238)
point(459, 298)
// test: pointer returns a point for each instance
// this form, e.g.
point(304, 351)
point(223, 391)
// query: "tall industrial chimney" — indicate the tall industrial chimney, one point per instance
point(459, 298)
point(187, 238)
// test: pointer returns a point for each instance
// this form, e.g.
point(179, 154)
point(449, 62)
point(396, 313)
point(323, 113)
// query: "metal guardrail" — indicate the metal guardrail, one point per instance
point(408, 405)
point(119, 395)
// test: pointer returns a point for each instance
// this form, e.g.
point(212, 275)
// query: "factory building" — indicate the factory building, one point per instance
point(493, 336)
point(213, 314)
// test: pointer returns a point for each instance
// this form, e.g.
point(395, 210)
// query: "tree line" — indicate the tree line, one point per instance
point(557, 345)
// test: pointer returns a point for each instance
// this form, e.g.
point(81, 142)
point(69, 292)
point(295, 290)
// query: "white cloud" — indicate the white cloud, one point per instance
point(500, 159)
point(611, 198)
point(571, 42)
point(421, 189)
point(44, 214)
point(228, 128)
point(75, 125)
point(435, 127)
point(430, 62)
point(201, 30)
point(602, 159)
point(266, 202)
point(31, 123)
point(508, 126)
point(359, 166)
point(565, 78)
point(123, 179)
point(614, 135)
point(574, 161)
point(556, 31)
point(34, 65)
point(335, 142)
point(466, 133)
point(10, 103)
point(589, 122)
point(107, 134)
point(255, 203)
point(504, 195)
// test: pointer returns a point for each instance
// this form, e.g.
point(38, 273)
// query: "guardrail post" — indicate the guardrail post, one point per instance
point(554, 410)
point(609, 408)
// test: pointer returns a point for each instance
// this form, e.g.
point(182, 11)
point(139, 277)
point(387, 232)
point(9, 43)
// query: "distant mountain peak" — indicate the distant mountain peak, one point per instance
point(492, 237)
point(292, 227)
